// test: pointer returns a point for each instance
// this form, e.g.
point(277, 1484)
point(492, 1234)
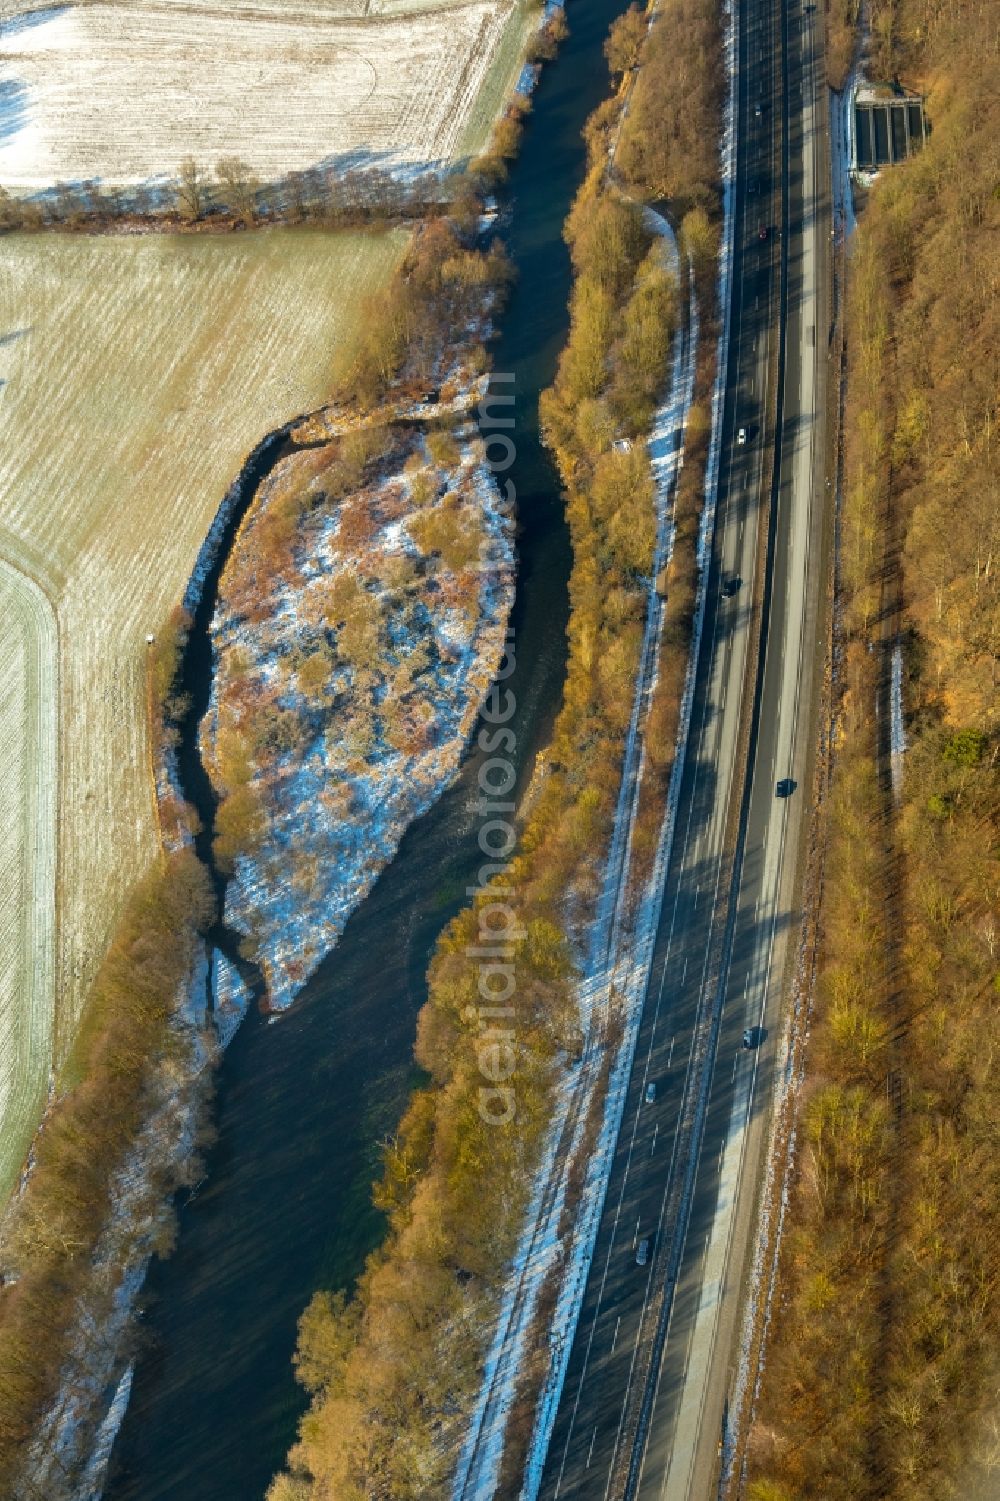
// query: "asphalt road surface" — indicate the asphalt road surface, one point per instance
point(644, 1400)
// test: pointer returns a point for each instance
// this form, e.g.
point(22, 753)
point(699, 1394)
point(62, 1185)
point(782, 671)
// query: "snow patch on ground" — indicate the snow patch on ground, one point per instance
point(624, 971)
point(92, 1485)
point(391, 735)
point(842, 154)
point(230, 998)
point(897, 729)
point(614, 968)
point(842, 127)
point(69, 1456)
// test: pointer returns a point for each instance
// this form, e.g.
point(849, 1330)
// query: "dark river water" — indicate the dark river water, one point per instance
point(303, 1103)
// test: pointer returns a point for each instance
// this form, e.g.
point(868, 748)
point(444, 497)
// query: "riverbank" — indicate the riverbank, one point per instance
point(350, 661)
point(86, 1363)
point(446, 1167)
point(93, 1208)
point(338, 1043)
point(522, 1390)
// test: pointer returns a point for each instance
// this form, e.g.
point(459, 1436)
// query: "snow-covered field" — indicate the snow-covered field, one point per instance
point(135, 374)
point(122, 93)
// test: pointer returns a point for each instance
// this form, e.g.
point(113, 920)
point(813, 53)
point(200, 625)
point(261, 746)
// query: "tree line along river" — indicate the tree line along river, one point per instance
point(302, 1104)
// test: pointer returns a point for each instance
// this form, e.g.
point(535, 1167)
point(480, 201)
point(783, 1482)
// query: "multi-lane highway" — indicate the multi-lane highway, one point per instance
point(643, 1404)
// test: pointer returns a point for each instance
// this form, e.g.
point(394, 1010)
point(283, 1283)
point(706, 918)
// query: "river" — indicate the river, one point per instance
point(302, 1104)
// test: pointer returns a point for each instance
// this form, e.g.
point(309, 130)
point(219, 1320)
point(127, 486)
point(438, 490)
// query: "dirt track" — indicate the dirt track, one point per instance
point(29, 738)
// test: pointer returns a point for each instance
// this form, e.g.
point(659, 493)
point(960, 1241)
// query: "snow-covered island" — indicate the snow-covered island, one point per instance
point(360, 623)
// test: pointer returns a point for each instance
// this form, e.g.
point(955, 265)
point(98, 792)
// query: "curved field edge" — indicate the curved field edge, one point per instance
point(136, 375)
point(412, 1340)
point(29, 735)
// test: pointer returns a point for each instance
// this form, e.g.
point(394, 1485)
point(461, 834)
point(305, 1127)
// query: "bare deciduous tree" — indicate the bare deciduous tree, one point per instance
point(239, 186)
point(190, 190)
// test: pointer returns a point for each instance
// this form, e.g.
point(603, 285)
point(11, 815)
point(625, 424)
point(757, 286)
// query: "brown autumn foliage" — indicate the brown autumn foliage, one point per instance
point(670, 140)
point(841, 29)
point(164, 663)
point(392, 1370)
point(545, 45)
point(49, 1242)
point(881, 1371)
point(440, 287)
point(699, 242)
point(624, 44)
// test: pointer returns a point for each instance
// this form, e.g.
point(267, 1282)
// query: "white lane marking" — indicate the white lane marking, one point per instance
point(794, 629)
point(655, 1131)
point(698, 739)
point(593, 1441)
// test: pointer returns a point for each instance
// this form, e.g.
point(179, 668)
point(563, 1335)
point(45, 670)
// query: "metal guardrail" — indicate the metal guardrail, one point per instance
point(694, 1106)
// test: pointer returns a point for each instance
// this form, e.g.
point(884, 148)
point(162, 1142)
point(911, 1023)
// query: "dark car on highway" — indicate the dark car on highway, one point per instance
point(784, 788)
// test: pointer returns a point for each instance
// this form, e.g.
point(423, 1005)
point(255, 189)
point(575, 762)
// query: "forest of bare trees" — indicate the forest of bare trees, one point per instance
point(881, 1375)
point(392, 1371)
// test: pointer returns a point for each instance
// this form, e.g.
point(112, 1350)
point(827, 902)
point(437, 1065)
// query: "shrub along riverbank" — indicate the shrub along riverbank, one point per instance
point(63, 1250)
point(393, 1372)
point(207, 197)
point(881, 1371)
point(139, 1042)
point(130, 1033)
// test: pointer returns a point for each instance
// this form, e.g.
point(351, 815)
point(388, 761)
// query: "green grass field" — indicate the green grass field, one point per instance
point(136, 375)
